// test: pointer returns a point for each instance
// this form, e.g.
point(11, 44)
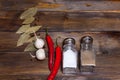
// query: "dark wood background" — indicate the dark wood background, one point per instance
point(66, 18)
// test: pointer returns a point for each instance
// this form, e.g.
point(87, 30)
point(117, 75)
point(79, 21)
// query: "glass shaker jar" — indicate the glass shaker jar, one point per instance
point(87, 55)
point(70, 57)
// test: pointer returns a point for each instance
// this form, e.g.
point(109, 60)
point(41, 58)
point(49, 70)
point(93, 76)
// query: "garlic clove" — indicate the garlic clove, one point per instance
point(40, 54)
point(39, 43)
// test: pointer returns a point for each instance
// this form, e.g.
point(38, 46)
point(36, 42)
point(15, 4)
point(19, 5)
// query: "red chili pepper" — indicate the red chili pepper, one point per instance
point(56, 64)
point(51, 51)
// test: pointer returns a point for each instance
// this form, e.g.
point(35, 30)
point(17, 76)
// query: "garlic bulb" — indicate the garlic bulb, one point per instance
point(40, 54)
point(39, 43)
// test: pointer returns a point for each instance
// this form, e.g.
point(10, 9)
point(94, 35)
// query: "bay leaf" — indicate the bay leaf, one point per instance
point(28, 20)
point(29, 13)
point(30, 47)
point(33, 29)
point(31, 39)
point(23, 28)
point(23, 38)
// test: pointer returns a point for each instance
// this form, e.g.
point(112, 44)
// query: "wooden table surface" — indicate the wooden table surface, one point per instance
point(65, 18)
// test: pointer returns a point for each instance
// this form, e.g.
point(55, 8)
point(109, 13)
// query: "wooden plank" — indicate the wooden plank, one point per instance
point(104, 42)
point(70, 21)
point(8, 41)
point(66, 24)
point(63, 5)
point(10, 14)
point(23, 77)
point(20, 64)
point(43, 77)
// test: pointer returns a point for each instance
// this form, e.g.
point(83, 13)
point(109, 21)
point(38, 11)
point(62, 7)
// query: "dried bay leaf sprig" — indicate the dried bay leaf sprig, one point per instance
point(30, 47)
point(33, 29)
point(29, 13)
point(30, 40)
point(23, 39)
point(23, 28)
point(26, 29)
point(28, 20)
point(26, 35)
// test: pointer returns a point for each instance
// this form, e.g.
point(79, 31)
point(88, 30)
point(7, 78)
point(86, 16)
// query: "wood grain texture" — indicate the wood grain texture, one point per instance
point(104, 42)
point(19, 63)
point(59, 22)
point(63, 5)
point(65, 18)
point(83, 16)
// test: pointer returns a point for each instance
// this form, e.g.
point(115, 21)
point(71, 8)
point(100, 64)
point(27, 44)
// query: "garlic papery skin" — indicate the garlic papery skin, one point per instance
point(39, 43)
point(40, 54)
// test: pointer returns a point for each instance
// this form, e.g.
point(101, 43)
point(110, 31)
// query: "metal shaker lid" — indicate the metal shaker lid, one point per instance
point(69, 41)
point(87, 39)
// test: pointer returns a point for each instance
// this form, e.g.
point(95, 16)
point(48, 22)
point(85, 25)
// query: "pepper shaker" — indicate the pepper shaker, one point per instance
point(70, 57)
point(87, 55)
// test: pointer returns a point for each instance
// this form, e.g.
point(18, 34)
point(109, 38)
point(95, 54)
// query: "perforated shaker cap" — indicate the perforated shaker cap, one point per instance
point(87, 39)
point(69, 41)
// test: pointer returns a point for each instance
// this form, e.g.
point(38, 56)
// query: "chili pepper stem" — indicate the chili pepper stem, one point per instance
point(57, 40)
point(46, 31)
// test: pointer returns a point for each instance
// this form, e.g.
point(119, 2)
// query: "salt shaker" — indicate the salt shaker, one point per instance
point(87, 55)
point(70, 57)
